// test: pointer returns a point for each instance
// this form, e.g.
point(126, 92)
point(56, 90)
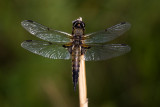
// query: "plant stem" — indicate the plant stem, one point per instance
point(82, 84)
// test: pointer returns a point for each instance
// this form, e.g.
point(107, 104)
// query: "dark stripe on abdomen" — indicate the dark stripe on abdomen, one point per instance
point(75, 66)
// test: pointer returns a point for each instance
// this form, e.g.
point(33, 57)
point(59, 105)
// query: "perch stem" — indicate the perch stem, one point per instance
point(82, 84)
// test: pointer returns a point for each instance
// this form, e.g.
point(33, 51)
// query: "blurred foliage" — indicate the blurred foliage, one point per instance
point(29, 80)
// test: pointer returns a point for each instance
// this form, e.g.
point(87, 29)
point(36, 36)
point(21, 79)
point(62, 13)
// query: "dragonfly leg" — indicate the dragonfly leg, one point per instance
point(84, 49)
point(69, 47)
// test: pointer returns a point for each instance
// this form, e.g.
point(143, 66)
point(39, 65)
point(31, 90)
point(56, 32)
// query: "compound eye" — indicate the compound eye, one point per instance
point(83, 25)
point(74, 24)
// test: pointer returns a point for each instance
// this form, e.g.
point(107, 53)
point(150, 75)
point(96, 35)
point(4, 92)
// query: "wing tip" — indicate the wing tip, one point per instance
point(124, 22)
point(22, 44)
point(25, 21)
point(127, 46)
point(127, 24)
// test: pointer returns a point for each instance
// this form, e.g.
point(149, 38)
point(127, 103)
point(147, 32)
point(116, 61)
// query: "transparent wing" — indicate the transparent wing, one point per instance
point(107, 34)
point(45, 33)
point(103, 52)
point(46, 49)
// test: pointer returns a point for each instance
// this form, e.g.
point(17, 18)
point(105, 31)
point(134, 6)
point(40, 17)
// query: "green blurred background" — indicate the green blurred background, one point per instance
point(131, 80)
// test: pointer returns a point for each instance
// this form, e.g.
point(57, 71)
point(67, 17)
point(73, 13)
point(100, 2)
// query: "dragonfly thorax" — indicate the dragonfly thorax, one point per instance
point(78, 32)
point(77, 42)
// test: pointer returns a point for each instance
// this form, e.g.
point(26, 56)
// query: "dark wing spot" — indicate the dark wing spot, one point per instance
point(123, 22)
point(105, 30)
point(88, 47)
point(48, 28)
point(63, 46)
point(124, 44)
point(50, 43)
point(30, 21)
point(28, 40)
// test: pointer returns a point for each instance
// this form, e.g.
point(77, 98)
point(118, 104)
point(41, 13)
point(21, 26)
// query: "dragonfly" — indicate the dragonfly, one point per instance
point(61, 45)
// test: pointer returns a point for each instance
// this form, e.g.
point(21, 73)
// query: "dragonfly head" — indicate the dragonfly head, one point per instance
point(78, 24)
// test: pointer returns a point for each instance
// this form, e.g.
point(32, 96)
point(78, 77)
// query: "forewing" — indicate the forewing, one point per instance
point(103, 52)
point(46, 49)
point(45, 33)
point(107, 34)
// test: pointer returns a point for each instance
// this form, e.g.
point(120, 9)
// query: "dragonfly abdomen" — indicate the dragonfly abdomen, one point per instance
point(75, 65)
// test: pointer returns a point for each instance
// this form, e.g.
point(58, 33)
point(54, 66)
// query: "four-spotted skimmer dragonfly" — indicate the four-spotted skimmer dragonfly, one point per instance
point(62, 45)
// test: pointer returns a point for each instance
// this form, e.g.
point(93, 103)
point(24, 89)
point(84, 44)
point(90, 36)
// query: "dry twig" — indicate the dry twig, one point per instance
point(82, 84)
